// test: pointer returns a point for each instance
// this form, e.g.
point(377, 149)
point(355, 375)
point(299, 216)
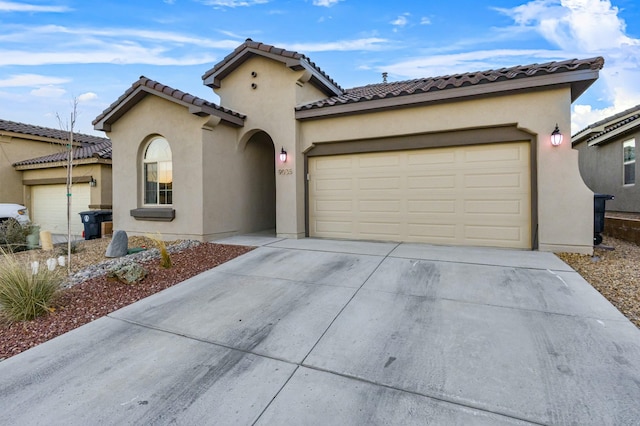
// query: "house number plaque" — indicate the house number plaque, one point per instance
point(285, 171)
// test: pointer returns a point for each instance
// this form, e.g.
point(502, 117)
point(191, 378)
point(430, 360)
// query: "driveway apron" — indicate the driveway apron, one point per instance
point(343, 332)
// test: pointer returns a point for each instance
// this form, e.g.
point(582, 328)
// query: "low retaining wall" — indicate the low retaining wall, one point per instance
point(624, 229)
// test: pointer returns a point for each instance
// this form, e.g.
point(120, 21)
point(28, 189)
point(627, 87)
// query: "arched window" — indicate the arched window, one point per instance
point(158, 173)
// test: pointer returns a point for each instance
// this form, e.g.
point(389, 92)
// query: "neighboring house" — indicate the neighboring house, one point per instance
point(33, 172)
point(457, 160)
point(608, 159)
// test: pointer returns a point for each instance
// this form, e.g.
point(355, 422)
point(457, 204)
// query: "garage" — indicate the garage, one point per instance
point(49, 207)
point(475, 195)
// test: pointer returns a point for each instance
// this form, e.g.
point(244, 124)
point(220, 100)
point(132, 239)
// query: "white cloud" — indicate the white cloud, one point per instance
point(400, 21)
point(591, 28)
point(326, 3)
point(425, 21)
point(106, 45)
point(48, 92)
point(9, 6)
point(454, 63)
point(232, 3)
point(371, 43)
point(31, 80)
point(86, 97)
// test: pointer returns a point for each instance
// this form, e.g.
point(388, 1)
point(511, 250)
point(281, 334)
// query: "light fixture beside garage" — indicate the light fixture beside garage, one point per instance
point(283, 155)
point(556, 136)
point(93, 183)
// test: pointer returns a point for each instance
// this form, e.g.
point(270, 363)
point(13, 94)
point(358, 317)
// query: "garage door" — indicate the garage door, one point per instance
point(474, 195)
point(49, 207)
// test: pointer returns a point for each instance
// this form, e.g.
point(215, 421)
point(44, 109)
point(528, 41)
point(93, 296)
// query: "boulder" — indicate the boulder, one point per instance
point(118, 245)
point(128, 273)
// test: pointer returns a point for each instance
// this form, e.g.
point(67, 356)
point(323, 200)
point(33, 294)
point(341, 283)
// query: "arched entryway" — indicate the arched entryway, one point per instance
point(260, 205)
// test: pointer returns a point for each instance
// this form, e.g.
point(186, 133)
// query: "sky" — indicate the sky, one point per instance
point(53, 52)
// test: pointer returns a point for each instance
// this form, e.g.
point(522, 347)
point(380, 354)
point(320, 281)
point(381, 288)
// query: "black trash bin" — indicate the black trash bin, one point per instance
point(599, 201)
point(92, 221)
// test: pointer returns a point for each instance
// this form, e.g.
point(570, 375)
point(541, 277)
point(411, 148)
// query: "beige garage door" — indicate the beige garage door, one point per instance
point(49, 207)
point(475, 195)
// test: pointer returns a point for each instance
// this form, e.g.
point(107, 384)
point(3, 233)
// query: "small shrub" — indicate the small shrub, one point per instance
point(75, 248)
point(165, 258)
point(24, 295)
point(13, 236)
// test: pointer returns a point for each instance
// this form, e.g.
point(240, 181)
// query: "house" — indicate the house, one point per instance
point(33, 173)
point(457, 160)
point(608, 159)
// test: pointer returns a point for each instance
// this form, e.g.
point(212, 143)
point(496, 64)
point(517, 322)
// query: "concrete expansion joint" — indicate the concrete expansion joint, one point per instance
point(425, 395)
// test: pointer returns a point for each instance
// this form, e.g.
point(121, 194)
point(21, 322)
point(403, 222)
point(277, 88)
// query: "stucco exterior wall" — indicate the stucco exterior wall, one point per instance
point(601, 169)
point(270, 108)
point(153, 116)
point(565, 203)
point(13, 150)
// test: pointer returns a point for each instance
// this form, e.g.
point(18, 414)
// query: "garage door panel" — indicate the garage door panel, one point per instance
point(432, 182)
point(493, 180)
point(333, 205)
point(499, 207)
point(49, 207)
point(379, 183)
point(380, 206)
point(490, 234)
point(478, 195)
point(439, 159)
point(431, 206)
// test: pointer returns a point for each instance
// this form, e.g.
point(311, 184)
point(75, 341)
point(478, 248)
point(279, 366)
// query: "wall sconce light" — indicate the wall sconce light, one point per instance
point(283, 155)
point(556, 136)
point(93, 183)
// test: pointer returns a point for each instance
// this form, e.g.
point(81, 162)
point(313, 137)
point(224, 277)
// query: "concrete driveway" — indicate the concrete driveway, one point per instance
point(320, 332)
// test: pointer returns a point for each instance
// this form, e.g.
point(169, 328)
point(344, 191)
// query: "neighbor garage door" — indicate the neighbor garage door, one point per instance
point(476, 195)
point(49, 207)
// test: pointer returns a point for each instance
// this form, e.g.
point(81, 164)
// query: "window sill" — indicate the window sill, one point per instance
point(154, 214)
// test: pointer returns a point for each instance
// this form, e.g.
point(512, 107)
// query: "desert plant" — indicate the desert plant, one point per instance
point(74, 248)
point(165, 258)
point(13, 236)
point(25, 295)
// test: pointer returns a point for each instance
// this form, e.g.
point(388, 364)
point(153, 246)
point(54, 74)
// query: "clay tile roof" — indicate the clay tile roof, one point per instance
point(61, 135)
point(98, 150)
point(161, 88)
point(250, 44)
point(423, 85)
point(612, 123)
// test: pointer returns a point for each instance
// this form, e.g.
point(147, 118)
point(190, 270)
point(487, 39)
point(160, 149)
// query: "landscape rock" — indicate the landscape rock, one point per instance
point(118, 245)
point(128, 273)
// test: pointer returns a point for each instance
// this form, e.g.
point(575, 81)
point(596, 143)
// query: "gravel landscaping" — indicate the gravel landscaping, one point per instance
point(88, 294)
point(614, 273)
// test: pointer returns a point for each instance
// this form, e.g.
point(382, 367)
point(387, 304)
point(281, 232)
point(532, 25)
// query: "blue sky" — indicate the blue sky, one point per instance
point(52, 51)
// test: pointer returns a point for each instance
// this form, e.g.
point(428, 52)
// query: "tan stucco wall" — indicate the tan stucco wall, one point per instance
point(565, 204)
point(270, 108)
point(220, 187)
point(12, 150)
point(153, 116)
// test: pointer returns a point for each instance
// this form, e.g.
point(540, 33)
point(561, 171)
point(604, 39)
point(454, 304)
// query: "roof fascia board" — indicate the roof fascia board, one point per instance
point(142, 91)
point(321, 82)
point(55, 164)
point(29, 137)
point(600, 140)
point(536, 82)
point(214, 80)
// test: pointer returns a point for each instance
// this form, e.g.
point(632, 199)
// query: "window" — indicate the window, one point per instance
point(158, 173)
point(629, 162)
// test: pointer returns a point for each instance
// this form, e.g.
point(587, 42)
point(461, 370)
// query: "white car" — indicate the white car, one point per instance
point(14, 211)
